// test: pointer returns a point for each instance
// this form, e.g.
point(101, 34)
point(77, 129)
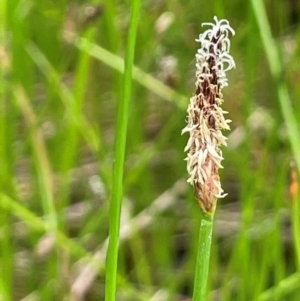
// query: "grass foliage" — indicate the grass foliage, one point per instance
point(62, 68)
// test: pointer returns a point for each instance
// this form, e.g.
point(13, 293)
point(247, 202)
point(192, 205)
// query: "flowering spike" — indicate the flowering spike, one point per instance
point(205, 116)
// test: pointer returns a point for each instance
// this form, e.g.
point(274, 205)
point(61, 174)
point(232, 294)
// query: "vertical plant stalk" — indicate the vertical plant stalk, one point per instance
point(120, 143)
point(276, 69)
point(202, 263)
point(205, 122)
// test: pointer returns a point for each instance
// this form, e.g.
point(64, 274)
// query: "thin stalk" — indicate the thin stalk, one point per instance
point(276, 69)
point(120, 144)
point(203, 256)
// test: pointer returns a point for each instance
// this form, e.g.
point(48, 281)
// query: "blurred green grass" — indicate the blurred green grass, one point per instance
point(61, 67)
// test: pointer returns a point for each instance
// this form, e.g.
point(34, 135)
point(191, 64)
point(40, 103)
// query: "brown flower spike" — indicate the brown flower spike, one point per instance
point(205, 120)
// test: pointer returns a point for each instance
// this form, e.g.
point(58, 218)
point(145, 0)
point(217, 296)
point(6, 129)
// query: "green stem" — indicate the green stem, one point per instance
point(120, 143)
point(273, 58)
point(203, 256)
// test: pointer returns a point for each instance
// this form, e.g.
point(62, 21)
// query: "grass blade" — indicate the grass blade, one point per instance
point(273, 59)
point(120, 143)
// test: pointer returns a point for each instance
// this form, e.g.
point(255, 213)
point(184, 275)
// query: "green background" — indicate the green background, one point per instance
point(61, 68)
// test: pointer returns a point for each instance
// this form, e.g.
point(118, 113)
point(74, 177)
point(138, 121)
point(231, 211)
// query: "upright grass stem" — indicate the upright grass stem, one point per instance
point(273, 58)
point(203, 256)
point(120, 143)
point(276, 69)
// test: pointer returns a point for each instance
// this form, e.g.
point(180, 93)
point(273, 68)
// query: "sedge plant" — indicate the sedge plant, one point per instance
point(205, 122)
point(120, 143)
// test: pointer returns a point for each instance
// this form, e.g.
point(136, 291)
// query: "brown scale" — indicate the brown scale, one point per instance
point(212, 122)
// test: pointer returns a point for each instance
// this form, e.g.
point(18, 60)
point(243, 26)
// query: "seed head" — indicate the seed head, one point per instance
point(205, 120)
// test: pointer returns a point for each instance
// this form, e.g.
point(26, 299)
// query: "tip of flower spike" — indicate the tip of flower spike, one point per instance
point(223, 23)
